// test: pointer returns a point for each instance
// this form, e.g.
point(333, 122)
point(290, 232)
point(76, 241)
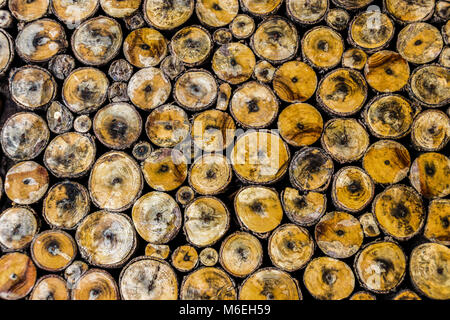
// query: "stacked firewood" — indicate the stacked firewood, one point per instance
point(225, 149)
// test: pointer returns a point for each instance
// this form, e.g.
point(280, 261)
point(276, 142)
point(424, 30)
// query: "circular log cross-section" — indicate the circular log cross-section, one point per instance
point(217, 13)
point(329, 279)
point(32, 87)
point(387, 162)
point(208, 283)
point(6, 51)
point(147, 278)
point(354, 58)
point(254, 105)
point(50, 287)
point(24, 10)
point(65, 204)
point(270, 284)
point(115, 181)
point(428, 269)
point(233, 62)
point(437, 226)
point(407, 12)
point(389, 261)
point(18, 226)
point(260, 8)
point(185, 258)
point(304, 210)
point(191, 45)
point(95, 284)
point(294, 81)
point(430, 130)
point(275, 40)
point(145, 47)
point(24, 136)
point(342, 92)
point(337, 19)
point(258, 209)
point(17, 275)
point(339, 234)
point(195, 90)
point(306, 12)
point(74, 12)
point(41, 40)
point(167, 17)
point(165, 169)
point(260, 157)
point(206, 221)
point(311, 169)
point(242, 26)
point(240, 254)
point(106, 239)
point(156, 217)
point(26, 182)
point(208, 257)
point(160, 251)
point(399, 211)
point(210, 174)
point(290, 247)
point(53, 250)
point(70, 155)
point(97, 41)
point(118, 125)
point(85, 89)
point(322, 47)
point(345, 139)
point(120, 8)
point(429, 85)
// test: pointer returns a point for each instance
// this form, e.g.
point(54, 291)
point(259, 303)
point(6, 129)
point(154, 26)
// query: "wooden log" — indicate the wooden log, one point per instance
point(222, 36)
point(208, 283)
point(270, 284)
point(85, 89)
point(260, 8)
point(352, 4)
point(184, 195)
point(223, 96)
point(6, 19)
point(6, 51)
point(322, 47)
point(303, 209)
point(149, 88)
point(387, 162)
point(369, 225)
point(17, 275)
point(117, 125)
point(290, 247)
point(105, 239)
point(399, 212)
point(339, 234)
point(100, 47)
point(165, 169)
point(66, 204)
point(354, 58)
point(390, 116)
point(208, 257)
point(74, 272)
point(430, 175)
point(95, 284)
point(120, 70)
point(329, 279)
point(419, 43)
point(115, 173)
point(406, 12)
point(41, 40)
point(156, 217)
point(207, 219)
point(233, 62)
point(240, 254)
point(26, 182)
point(307, 12)
point(195, 90)
point(70, 155)
point(192, 45)
point(264, 71)
point(311, 169)
point(141, 150)
point(59, 118)
point(406, 295)
point(82, 123)
point(437, 224)
point(254, 105)
point(158, 14)
point(345, 139)
point(242, 26)
point(160, 251)
point(371, 31)
point(24, 136)
point(386, 71)
point(352, 189)
point(28, 11)
point(210, 174)
point(275, 40)
point(427, 85)
point(18, 226)
point(342, 92)
point(444, 58)
point(185, 258)
point(258, 209)
point(120, 8)
point(53, 250)
point(337, 19)
point(50, 287)
point(388, 259)
point(362, 295)
point(294, 81)
point(146, 278)
point(32, 87)
point(145, 47)
point(74, 13)
point(427, 268)
point(217, 13)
